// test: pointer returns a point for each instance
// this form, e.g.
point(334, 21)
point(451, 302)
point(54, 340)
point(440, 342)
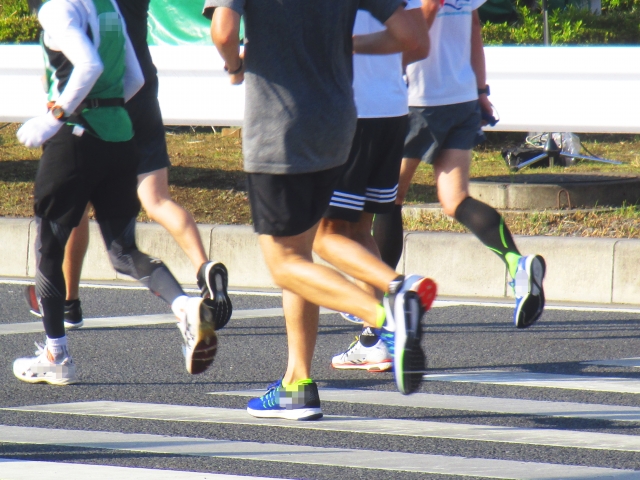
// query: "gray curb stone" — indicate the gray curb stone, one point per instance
point(592, 270)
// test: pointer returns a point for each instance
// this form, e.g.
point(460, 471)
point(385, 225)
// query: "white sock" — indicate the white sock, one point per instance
point(179, 305)
point(57, 346)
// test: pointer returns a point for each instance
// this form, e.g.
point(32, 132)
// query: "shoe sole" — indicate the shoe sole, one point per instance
point(537, 266)
point(50, 381)
point(32, 300)
point(427, 291)
point(217, 279)
point(301, 414)
point(409, 361)
point(370, 367)
point(72, 326)
point(206, 342)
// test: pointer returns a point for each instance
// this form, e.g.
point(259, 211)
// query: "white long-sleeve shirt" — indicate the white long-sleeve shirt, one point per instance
point(65, 24)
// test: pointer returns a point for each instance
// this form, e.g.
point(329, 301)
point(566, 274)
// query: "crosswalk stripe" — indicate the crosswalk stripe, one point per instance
point(471, 404)
point(546, 380)
point(28, 470)
point(413, 428)
point(622, 362)
point(137, 320)
point(336, 457)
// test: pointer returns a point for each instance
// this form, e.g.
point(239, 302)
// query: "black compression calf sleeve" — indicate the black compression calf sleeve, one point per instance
point(389, 235)
point(488, 225)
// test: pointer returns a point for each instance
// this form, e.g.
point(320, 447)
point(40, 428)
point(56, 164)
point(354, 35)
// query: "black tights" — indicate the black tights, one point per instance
point(119, 237)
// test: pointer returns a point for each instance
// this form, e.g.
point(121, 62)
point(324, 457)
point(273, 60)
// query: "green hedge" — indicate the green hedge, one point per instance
point(569, 27)
point(17, 25)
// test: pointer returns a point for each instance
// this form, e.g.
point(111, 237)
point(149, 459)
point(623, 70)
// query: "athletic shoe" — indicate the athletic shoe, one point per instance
point(404, 314)
point(300, 403)
point(351, 318)
point(46, 367)
point(72, 308)
point(200, 339)
point(375, 358)
point(528, 290)
point(213, 281)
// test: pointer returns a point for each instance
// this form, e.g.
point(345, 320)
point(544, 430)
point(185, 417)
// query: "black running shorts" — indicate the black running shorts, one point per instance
point(288, 205)
point(443, 127)
point(149, 135)
point(75, 170)
point(369, 181)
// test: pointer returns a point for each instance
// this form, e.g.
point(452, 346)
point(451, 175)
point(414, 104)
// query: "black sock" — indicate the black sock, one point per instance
point(488, 225)
point(368, 337)
point(389, 235)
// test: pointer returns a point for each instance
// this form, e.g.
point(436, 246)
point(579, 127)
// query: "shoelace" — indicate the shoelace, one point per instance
point(41, 349)
point(388, 339)
point(268, 399)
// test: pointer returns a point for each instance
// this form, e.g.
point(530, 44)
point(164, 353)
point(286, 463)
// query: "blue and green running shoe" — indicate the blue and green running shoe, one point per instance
point(528, 290)
point(299, 401)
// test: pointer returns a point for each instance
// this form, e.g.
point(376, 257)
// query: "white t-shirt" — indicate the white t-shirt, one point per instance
point(378, 87)
point(445, 77)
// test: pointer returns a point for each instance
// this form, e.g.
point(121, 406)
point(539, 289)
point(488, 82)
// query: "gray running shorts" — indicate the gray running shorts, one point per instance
point(444, 127)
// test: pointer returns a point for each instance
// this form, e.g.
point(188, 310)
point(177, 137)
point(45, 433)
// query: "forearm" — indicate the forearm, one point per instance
point(225, 34)
point(477, 52)
point(423, 26)
point(400, 35)
point(379, 43)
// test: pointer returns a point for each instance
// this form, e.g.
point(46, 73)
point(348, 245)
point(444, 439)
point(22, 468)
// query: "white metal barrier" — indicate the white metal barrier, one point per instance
point(576, 89)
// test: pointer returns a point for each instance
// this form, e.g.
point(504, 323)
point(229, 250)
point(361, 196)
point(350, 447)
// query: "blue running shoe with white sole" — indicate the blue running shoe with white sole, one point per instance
point(351, 318)
point(296, 402)
point(528, 290)
point(404, 315)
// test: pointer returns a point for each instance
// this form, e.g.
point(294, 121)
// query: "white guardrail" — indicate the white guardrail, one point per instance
point(560, 89)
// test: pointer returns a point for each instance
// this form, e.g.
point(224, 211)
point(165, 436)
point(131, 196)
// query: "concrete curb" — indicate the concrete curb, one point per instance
point(591, 270)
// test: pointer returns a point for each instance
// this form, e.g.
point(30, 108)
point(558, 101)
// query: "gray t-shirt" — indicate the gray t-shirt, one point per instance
point(299, 115)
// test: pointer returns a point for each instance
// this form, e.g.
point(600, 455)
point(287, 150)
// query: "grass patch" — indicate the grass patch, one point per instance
point(206, 177)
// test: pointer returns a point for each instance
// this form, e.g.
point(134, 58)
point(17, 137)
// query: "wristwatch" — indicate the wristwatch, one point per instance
point(58, 113)
point(484, 90)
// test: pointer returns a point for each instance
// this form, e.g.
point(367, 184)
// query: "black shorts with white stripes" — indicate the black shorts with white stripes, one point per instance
point(369, 181)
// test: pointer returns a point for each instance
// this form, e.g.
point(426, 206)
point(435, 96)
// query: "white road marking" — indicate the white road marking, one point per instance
point(27, 470)
point(471, 404)
point(413, 428)
point(340, 457)
point(544, 380)
point(136, 320)
point(622, 362)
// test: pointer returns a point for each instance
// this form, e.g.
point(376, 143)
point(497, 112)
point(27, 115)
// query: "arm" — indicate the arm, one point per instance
point(62, 26)
point(478, 62)
point(423, 18)
point(225, 33)
point(63, 32)
point(133, 76)
point(400, 35)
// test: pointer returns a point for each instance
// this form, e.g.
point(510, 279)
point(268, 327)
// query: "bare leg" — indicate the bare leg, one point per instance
point(451, 170)
point(334, 244)
point(290, 262)
point(407, 171)
point(302, 329)
point(153, 191)
point(74, 254)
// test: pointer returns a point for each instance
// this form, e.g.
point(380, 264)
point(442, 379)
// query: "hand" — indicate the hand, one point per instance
point(38, 130)
point(485, 106)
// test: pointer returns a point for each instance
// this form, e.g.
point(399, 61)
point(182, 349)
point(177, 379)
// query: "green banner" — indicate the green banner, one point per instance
point(179, 22)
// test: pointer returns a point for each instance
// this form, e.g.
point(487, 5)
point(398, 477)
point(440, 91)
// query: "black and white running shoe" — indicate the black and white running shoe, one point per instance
point(213, 281)
point(529, 291)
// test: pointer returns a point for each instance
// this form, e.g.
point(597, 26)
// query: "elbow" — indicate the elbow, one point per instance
point(422, 51)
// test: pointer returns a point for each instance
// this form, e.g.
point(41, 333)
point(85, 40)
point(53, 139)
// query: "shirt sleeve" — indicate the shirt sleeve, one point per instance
point(413, 4)
point(237, 6)
point(62, 25)
point(381, 9)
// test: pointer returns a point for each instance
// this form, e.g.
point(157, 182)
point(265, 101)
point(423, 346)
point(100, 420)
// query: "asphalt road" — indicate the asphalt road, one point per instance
point(143, 364)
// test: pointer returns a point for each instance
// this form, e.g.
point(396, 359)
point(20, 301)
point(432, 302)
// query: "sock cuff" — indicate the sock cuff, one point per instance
point(297, 383)
point(381, 316)
point(56, 344)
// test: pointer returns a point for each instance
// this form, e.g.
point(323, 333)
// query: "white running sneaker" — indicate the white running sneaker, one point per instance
point(200, 339)
point(358, 357)
point(45, 367)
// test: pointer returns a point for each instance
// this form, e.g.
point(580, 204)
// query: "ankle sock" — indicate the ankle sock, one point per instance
point(381, 316)
point(293, 385)
point(179, 305)
point(368, 337)
point(57, 346)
